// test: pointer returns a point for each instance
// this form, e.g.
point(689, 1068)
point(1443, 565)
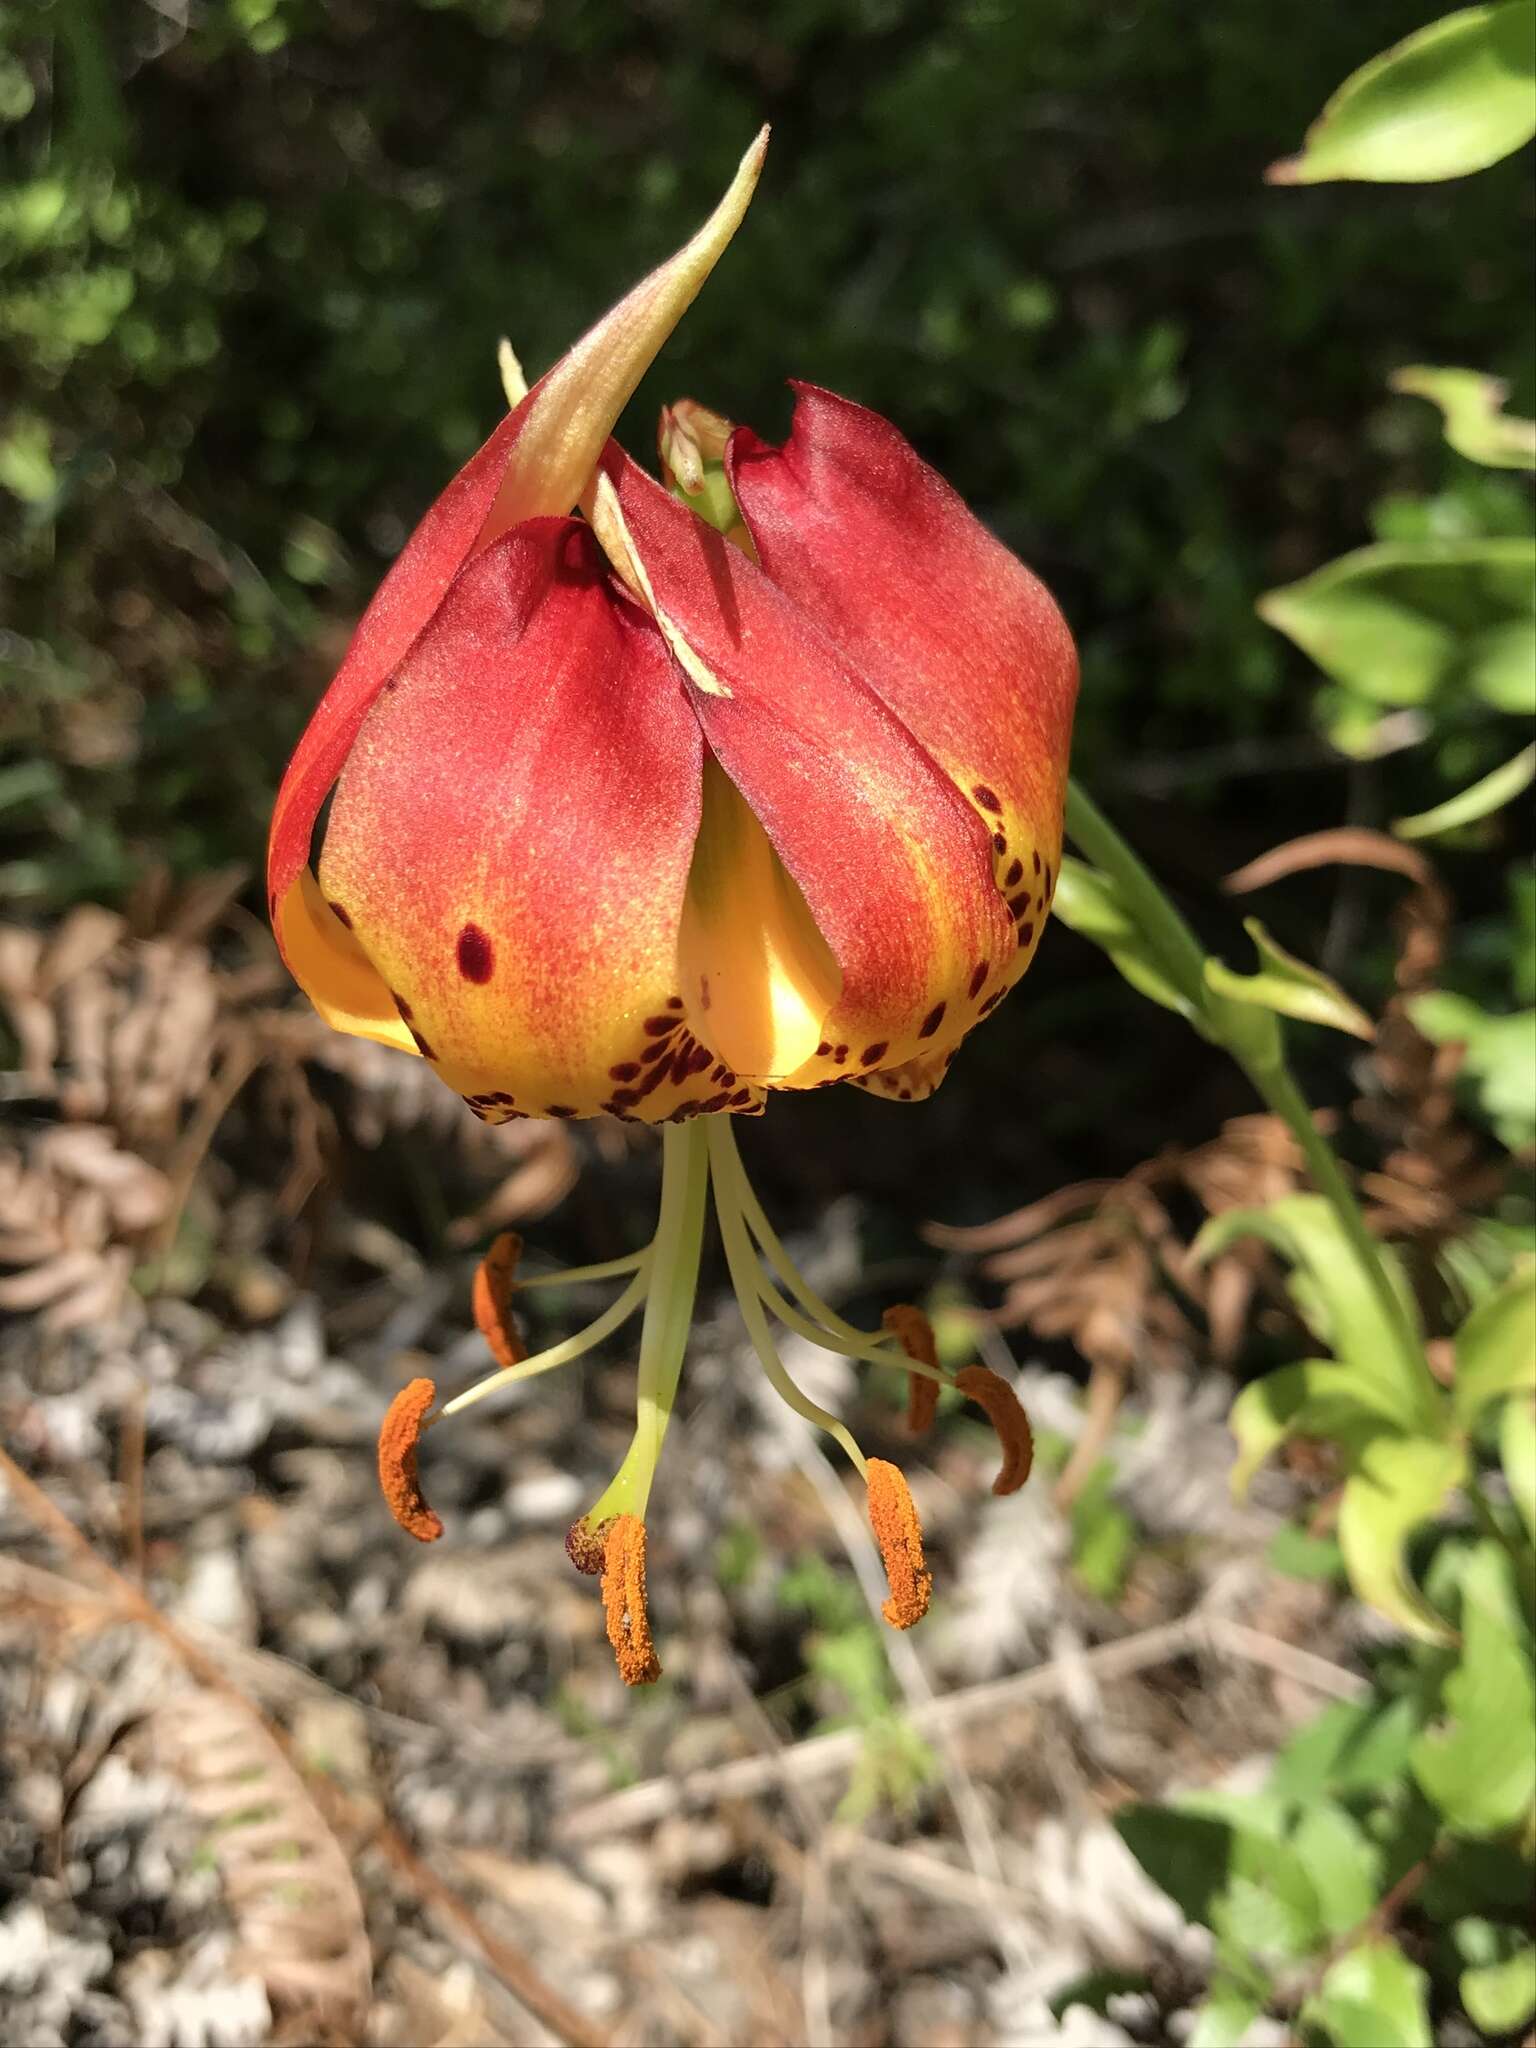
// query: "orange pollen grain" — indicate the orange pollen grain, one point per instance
point(1006, 1415)
point(900, 1537)
point(495, 1280)
point(629, 1625)
point(399, 1442)
point(915, 1334)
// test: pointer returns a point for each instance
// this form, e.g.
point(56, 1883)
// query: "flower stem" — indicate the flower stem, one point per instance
point(1182, 959)
point(674, 1279)
point(569, 1348)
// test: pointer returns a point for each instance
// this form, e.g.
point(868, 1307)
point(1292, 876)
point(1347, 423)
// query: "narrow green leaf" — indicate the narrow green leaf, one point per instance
point(1289, 987)
point(1496, 1347)
point(1478, 800)
point(1406, 622)
point(1451, 99)
point(1373, 1997)
point(1500, 1997)
point(1481, 1769)
point(1476, 424)
point(1402, 1481)
point(1335, 1297)
point(1086, 900)
point(1517, 1454)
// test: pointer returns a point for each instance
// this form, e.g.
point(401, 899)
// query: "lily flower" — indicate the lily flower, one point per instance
point(650, 798)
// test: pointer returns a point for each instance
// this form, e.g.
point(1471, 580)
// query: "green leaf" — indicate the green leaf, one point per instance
point(1500, 1997)
point(1451, 99)
point(1402, 1481)
point(1335, 1297)
point(1103, 1535)
point(1408, 622)
point(1517, 1454)
point(1352, 1746)
point(1087, 900)
point(1230, 2009)
point(26, 460)
point(1478, 800)
point(1246, 1884)
point(1344, 1863)
point(1481, 1770)
point(1303, 1556)
point(1476, 424)
point(1496, 1347)
point(1373, 1997)
point(1497, 1063)
point(1317, 1397)
point(1289, 987)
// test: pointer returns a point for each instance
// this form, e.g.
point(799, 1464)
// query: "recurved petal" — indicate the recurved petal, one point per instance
point(893, 865)
point(949, 629)
point(511, 837)
point(538, 461)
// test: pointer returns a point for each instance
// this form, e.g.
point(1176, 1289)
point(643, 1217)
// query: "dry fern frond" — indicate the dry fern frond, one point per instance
point(72, 1207)
point(288, 1882)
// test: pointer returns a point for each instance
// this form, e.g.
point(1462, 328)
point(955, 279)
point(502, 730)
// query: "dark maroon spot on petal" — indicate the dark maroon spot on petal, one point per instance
point(978, 977)
point(474, 1109)
point(728, 1078)
point(1014, 876)
point(406, 1012)
point(704, 995)
point(839, 1053)
point(906, 1094)
point(661, 1051)
point(931, 1022)
point(658, 1027)
point(742, 1095)
point(713, 1105)
point(560, 1109)
point(987, 798)
point(626, 1070)
point(476, 959)
point(824, 1048)
point(1018, 905)
point(674, 1002)
point(992, 1002)
point(999, 842)
point(503, 1097)
point(1037, 863)
point(421, 1044)
point(1026, 933)
point(682, 1067)
point(1047, 878)
point(872, 1053)
point(623, 1098)
point(341, 916)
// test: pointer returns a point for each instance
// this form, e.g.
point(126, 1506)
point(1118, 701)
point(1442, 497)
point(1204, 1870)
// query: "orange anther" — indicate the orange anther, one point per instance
point(1007, 1417)
point(915, 1334)
point(495, 1280)
point(900, 1537)
point(629, 1626)
point(399, 1441)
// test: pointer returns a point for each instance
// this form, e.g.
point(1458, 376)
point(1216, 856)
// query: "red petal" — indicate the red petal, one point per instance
point(894, 865)
point(949, 628)
point(511, 839)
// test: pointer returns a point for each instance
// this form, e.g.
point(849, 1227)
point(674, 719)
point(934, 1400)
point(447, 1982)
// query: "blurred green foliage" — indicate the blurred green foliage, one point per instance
point(254, 261)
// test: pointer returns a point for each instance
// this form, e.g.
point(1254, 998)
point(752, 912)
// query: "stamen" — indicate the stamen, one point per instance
point(1006, 1415)
point(495, 1280)
point(915, 1334)
point(399, 1442)
point(584, 1544)
point(569, 1348)
point(900, 1537)
point(629, 1626)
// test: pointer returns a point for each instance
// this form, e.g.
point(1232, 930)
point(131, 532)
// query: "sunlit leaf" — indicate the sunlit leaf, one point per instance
point(1496, 1347)
point(1475, 423)
point(1243, 1881)
point(1289, 987)
point(1344, 1863)
point(1086, 899)
point(1401, 1482)
point(1481, 1769)
point(1373, 1997)
point(1498, 1062)
point(1405, 622)
point(1479, 800)
point(1451, 99)
point(1500, 1997)
point(1336, 1298)
point(1230, 2009)
point(1315, 1397)
point(1517, 1454)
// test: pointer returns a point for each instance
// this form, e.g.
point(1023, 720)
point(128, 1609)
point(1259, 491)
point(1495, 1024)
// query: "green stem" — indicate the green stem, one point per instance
point(1182, 959)
point(674, 1279)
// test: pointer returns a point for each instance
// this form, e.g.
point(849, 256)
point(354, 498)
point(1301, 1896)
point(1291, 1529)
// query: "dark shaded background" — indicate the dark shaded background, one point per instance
point(254, 273)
